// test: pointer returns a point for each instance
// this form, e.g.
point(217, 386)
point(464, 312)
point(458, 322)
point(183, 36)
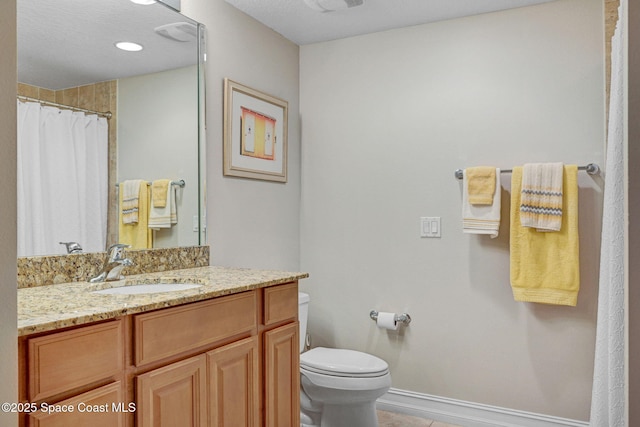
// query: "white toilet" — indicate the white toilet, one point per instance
point(338, 388)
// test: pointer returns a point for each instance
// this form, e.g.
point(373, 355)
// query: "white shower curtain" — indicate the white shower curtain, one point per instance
point(608, 394)
point(62, 180)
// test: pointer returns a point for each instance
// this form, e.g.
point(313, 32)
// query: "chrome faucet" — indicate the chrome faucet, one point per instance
point(113, 264)
point(72, 247)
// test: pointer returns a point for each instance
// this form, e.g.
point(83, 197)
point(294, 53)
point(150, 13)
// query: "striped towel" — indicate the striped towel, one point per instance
point(541, 196)
point(130, 200)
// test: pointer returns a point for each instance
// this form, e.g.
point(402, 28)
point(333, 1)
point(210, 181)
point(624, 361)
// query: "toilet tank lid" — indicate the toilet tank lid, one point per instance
point(302, 297)
point(341, 361)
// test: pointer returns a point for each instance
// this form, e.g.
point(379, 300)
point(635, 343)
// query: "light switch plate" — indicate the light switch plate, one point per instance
point(430, 226)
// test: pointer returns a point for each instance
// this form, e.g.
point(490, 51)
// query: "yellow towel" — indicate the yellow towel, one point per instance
point(138, 235)
point(481, 184)
point(159, 189)
point(545, 267)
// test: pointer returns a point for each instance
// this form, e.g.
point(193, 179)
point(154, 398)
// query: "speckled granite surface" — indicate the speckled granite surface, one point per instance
point(47, 308)
point(47, 270)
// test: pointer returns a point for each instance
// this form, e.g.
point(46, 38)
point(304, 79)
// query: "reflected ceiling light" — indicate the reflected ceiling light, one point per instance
point(143, 2)
point(332, 5)
point(129, 46)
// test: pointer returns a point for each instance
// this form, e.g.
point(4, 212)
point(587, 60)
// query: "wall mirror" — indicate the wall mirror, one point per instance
point(71, 161)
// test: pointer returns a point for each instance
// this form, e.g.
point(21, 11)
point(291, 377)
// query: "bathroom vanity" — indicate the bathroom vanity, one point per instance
point(225, 353)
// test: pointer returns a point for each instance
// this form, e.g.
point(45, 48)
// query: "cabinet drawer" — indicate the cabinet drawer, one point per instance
point(280, 303)
point(165, 333)
point(67, 360)
point(102, 407)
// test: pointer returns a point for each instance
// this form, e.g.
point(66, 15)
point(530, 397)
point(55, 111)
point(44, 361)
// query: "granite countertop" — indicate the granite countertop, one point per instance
point(46, 308)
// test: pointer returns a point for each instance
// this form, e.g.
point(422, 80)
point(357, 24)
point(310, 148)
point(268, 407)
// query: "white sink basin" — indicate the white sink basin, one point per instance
point(147, 288)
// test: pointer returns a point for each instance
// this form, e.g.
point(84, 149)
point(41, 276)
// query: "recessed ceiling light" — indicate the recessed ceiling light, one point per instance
point(143, 2)
point(129, 46)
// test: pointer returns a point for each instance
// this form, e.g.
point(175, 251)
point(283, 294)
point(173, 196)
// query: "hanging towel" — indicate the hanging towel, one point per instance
point(138, 235)
point(481, 181)
point(481, 219)
point(159, 192)
point(130, 192)
point(541, 199)
point(166, 216)
point(545, 267)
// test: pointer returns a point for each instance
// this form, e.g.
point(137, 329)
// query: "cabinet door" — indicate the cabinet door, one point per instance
point(63, 361)
point(102, 407)
point(174, 395)
point(282, 376)
point(233, 384)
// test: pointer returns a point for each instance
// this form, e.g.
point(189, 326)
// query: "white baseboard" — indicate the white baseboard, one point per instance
point(467, 414)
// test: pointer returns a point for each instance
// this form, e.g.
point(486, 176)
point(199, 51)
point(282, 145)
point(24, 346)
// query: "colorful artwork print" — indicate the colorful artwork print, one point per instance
point(258, 136)
point(254, 133)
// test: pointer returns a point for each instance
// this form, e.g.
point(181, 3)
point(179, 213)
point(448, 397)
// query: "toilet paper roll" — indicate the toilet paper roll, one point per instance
point(387, 321)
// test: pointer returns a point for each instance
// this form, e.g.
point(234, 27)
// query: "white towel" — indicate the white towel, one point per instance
point(166, 216)
point(541, 196)
point(481, 219)
point(130, 200)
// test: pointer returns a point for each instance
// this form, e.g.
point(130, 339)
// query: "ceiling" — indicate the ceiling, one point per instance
point(301, 24)
point(68, 43)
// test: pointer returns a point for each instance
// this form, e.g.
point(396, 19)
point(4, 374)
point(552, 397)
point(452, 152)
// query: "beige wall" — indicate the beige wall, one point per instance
point(8, 324)
point(387, 118)
point(159, 123)
point(250, 223)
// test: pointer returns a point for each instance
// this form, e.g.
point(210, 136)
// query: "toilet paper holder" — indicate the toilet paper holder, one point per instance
point(403, 318)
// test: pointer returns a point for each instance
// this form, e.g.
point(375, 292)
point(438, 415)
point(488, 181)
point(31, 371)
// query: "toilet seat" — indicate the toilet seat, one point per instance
point(343, 363)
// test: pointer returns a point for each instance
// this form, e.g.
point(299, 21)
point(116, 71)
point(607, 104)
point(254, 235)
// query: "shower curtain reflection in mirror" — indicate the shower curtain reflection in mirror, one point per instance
point(62, 180)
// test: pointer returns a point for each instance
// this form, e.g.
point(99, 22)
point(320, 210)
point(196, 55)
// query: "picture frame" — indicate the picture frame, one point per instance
point(254, 133)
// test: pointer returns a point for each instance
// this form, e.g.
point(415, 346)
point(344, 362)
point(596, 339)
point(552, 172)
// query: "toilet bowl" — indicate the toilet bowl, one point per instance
point(338, 387)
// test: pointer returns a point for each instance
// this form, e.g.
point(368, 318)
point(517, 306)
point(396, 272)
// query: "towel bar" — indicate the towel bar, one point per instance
point(180, 183)
point(591, 168)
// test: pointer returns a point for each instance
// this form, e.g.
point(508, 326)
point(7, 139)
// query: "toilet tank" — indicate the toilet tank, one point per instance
point(303, 314)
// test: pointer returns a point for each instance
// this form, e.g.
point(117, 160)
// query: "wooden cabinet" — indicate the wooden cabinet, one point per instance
point(102, 407)
point(166, 333)
point(228, 361)
point(74, 359)
point(234, 387)
point(174, 396)
point(281, 356)
point(282, 376)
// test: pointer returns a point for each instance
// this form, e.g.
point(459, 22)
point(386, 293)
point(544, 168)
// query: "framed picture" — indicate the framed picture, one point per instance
point(255, 134)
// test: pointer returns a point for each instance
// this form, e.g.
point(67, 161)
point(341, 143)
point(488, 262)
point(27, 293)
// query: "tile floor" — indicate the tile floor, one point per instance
point(392, 419)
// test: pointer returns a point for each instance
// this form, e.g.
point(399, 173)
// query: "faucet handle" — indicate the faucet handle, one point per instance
point(72, 247)
point(116, 251)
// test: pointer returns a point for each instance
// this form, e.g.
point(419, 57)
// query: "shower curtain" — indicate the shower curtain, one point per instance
point(608, 393)
point(62, 180)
